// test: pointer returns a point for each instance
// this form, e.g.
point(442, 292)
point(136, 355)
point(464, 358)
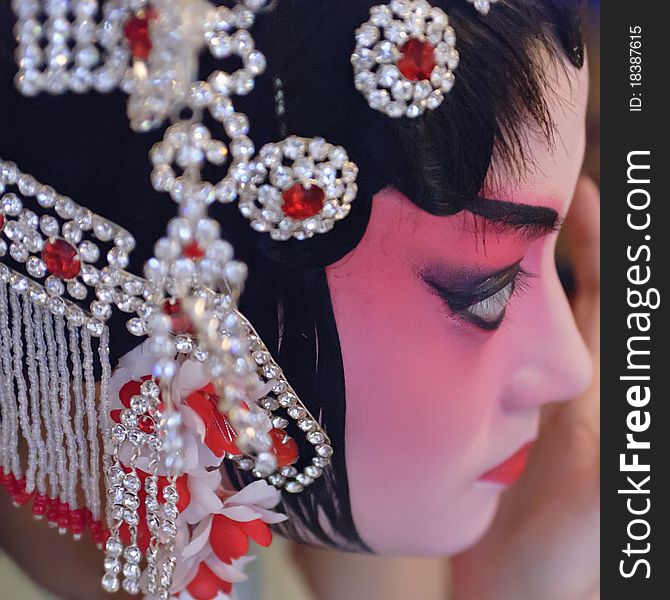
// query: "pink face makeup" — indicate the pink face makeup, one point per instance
point(452, 340)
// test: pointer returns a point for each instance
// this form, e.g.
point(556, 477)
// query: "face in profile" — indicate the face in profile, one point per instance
point(455, 331)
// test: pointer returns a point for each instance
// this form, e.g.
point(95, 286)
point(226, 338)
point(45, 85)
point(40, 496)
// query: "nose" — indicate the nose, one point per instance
point(554, 363)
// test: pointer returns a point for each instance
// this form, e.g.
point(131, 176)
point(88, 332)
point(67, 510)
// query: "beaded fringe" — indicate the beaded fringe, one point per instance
point(50, 419)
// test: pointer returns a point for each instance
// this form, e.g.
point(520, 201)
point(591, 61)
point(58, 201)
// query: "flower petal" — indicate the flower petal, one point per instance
point(184, 572)
point(206, 585)
point(228, 541)
point(270, 516)
point(219, 434)
point(204, 495)
point(191, 377)
point(258, 531)
point(232, 573)
point(193, 422)
point(199, 538)
point(258, 492)
point(240, 513)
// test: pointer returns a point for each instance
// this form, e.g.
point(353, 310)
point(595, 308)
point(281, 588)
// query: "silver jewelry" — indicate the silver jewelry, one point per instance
point(72, 275)
point(406, 55)
point(405, 58)
point(300, 187)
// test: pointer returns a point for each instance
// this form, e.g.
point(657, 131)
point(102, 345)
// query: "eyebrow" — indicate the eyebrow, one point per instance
point(524, 220)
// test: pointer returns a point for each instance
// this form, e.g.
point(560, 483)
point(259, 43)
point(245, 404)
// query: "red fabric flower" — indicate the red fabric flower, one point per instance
point(206, 585)
point(219, 433)
point(230, 539)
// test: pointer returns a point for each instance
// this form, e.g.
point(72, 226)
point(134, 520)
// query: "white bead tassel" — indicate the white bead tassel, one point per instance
point(10, 455)
point(91, 425)
point(65, 415)
point(30, 321)
point(104, 418)
point(54, 404)
point(22, 390)
point(12, 424)
point(53, 448)
point(79, 408)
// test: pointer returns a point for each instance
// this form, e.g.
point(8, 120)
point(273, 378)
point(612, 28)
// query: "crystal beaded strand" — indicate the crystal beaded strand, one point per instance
point(131, 504)
point(124, 488)
point(153, 524)
point(8, 380)
point(45, 394)
point(169, 532)
point(114, 477)
point(9, 425)
point(91, 425)
point(66, 420)
point(29, 322)
point(150, 394)
point(22, 392)
point(54, 388)
point(80, 436)
point(104, 419)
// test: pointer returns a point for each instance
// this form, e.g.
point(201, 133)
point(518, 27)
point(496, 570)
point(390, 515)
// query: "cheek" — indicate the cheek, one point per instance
point(419, 413)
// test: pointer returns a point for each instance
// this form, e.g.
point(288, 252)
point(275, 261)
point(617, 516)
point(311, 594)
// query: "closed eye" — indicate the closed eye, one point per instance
point(490, 312)
point(486, 303)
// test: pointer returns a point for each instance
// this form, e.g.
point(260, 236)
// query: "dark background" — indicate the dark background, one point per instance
point(623, 132)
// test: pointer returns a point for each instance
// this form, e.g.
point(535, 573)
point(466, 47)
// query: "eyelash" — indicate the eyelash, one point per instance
point(478, 312)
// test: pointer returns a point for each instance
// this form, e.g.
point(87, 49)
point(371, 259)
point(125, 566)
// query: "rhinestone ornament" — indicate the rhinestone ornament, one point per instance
point(405, 58)
point(299, 187)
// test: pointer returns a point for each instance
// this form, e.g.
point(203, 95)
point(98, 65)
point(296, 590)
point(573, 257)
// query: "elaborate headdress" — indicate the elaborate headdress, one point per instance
point(203, 387)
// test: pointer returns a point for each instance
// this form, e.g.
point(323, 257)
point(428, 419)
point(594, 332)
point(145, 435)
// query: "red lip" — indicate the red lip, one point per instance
point(509, 471)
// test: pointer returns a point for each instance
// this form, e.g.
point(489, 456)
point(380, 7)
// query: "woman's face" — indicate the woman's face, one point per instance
point(442, 396)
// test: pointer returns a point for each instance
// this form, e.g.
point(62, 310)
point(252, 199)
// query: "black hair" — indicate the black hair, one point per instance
point(83, 147)
point(439, 161)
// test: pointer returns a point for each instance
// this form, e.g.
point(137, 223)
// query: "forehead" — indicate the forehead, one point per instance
point(398, 228)
point(554, 167)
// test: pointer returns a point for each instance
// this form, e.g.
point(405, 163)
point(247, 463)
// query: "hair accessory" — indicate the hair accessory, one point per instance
point(69, 45)
point(63, 258)
point(158, 432)
point(300, 187)
point(405, 58)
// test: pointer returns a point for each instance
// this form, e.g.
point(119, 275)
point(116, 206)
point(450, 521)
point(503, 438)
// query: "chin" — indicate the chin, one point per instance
point(454, 530)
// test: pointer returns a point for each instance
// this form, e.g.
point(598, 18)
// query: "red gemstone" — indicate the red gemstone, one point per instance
point(300, 202)
point(193, 251)
point(284, 447)
point(2, 221)
point(418, 60)
point(136, 32)
point(61, 259)
point(146, 424)
point(180, 321)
